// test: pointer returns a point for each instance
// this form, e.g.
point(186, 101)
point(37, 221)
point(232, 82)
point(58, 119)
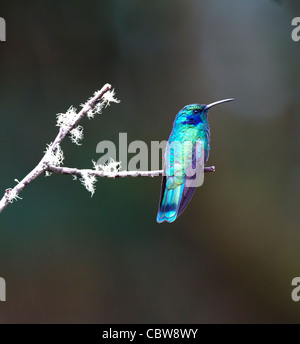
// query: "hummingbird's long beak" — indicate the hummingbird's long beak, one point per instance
point(218, 102)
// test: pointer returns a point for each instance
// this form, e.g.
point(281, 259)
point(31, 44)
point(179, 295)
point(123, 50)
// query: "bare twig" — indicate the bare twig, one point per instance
point(12, 194)
point(119, 174)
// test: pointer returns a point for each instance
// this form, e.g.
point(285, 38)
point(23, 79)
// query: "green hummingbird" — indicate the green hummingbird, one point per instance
point(186, 153)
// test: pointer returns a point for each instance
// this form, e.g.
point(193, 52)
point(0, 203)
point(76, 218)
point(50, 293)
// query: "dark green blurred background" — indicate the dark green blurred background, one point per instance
point(231, 256)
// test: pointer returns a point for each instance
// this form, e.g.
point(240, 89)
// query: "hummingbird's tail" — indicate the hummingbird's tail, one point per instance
point(169, 204)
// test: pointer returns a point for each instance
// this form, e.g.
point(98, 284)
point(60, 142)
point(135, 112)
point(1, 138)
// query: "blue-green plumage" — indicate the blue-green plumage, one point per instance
point(185, 155)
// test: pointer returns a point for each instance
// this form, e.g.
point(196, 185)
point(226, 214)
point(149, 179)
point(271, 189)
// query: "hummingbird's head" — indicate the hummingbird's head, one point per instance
point(194, 114)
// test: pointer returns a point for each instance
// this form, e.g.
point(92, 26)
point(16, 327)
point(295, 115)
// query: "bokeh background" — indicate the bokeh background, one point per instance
point(231, 257)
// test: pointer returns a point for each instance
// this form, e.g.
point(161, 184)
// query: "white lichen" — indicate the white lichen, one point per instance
point(76, 135)
point(11, 195)
point(110, 169)
point(109, 97)
point(53, 158)
point(104, 101)
point(64, 120)
point(88, 181)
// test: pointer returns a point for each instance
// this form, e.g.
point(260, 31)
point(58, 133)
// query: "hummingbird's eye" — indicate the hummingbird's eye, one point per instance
point(196, 111)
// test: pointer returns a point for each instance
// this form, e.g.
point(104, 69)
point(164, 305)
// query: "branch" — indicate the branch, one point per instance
point(53, 158)
point(118, 174)
point(67, 124)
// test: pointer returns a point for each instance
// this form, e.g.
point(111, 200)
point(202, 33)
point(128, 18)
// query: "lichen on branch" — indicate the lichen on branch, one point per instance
point(53, 157)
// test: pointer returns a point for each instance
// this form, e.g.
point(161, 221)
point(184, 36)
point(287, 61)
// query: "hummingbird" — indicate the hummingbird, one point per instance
point(185, 155)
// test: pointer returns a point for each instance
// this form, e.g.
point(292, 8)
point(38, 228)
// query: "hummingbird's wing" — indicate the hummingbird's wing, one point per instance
point(184, 165)
point(194, 176)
